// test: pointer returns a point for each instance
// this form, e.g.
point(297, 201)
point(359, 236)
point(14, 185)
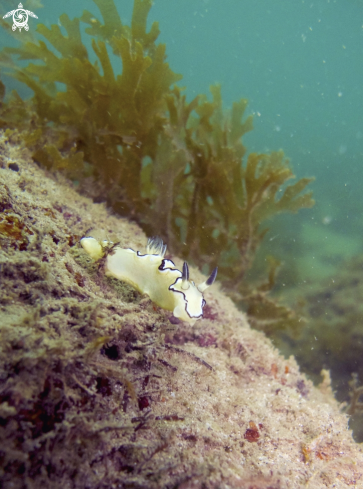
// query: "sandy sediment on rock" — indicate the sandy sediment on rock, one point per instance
point(99, 387)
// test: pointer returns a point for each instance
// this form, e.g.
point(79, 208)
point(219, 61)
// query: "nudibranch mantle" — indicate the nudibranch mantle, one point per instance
point(154, 275)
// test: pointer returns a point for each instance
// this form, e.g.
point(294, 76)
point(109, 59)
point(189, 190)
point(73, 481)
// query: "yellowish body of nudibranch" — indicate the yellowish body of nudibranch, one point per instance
point(150, 273)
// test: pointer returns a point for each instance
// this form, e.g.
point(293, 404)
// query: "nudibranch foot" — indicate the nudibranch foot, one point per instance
point(152, 274)
point(95, 249)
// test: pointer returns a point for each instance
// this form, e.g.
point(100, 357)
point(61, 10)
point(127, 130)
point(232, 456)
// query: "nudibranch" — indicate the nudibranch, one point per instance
point(152, 274)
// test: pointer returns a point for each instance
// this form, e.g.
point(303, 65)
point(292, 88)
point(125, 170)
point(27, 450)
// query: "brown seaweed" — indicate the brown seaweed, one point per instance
point(132, 139)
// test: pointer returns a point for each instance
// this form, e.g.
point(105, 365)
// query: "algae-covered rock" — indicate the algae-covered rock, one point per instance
point(101, 389)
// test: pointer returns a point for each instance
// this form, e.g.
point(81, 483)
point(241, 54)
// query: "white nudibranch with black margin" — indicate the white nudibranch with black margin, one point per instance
point(152, 274)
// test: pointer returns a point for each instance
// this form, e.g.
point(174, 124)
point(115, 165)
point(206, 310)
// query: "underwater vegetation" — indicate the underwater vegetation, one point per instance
point(132, 139)
point(333, 336)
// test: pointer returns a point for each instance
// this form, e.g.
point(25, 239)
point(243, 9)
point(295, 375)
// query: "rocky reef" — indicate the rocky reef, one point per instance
point(100, 388)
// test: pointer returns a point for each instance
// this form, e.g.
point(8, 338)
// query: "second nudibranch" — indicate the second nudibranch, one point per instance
point(150, 273)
